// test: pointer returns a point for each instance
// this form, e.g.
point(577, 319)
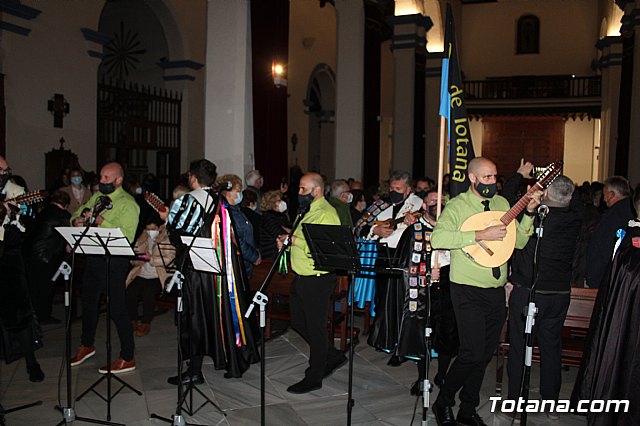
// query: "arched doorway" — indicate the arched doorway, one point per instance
point(321, 104)
point(138, 121)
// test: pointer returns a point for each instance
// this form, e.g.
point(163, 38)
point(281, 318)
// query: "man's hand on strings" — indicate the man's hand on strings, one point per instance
point(492, 233)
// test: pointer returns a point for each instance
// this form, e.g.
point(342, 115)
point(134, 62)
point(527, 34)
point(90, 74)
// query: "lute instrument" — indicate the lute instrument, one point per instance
point(155, 202)
point(495, 253)
point(393, 223)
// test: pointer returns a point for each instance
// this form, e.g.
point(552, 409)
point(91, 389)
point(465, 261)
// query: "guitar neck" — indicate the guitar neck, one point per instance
point(520, 205)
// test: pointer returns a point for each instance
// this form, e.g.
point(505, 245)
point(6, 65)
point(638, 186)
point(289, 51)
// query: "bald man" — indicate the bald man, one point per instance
point(311, 289)
point(123, 215)
point(477, 292)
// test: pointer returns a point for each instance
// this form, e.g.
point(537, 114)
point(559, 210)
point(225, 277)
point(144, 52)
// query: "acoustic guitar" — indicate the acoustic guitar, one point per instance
point(495, 253)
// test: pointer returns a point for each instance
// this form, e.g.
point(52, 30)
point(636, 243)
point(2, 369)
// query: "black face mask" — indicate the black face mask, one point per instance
point(421, 194)
point(305, 200)
point(3, 180)
point(106, 188)
point(433, 210)
point(487, 190)
point(396, 197)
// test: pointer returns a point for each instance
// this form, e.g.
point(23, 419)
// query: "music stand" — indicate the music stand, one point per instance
point(203, 258)
point(108, 242)
point(333, 247)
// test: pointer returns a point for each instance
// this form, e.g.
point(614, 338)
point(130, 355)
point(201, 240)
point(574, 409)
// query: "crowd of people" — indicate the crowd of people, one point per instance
point(400, 221)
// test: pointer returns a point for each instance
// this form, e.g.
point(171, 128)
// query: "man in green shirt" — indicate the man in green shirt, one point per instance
point(340, 199)
point(477, 292)
point(312, 288)
point(123, 214)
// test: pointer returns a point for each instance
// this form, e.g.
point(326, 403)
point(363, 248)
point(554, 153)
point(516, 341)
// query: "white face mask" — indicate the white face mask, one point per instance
point(153, 233)
point(282, 206)
point(349, 198)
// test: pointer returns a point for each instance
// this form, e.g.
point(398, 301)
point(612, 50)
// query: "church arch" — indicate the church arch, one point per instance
point(320, 103)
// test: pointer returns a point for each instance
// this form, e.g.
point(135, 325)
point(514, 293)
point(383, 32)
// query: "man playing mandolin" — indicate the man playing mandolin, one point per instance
point(477, 292)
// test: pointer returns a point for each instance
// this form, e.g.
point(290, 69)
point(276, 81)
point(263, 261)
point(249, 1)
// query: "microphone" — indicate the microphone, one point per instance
point(543, 211)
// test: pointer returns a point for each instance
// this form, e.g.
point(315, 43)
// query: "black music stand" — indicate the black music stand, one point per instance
point(334, 248)
point(108, 242)
point(203, 258)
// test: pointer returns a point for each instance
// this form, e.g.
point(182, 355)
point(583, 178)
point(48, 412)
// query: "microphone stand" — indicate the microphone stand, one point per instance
point(531, 313)
point(68, 412)
point(261, 299)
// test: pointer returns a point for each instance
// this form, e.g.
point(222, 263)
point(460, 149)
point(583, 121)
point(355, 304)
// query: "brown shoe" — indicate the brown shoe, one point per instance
point(143, 329)
point(119, 366)
point(83, 354)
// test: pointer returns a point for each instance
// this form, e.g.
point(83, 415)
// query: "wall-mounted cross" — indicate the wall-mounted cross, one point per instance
point(59, 108)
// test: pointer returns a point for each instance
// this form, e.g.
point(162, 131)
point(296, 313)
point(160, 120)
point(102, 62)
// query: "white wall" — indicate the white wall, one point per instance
point(568, 32)
point(52, 59)
point(316, 27)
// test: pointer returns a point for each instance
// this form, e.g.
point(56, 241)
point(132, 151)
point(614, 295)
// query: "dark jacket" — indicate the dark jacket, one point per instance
point(556, 250)
point(270, 228)
point(43, 242)
point(244, 232)
point(600, 250)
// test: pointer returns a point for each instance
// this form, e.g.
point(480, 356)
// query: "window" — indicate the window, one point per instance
point(528, 38)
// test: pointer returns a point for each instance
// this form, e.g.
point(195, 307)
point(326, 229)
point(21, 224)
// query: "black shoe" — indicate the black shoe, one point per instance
point(474, 420)
point(304, 386)
point(35, 373)
point(396, 361)
point(196, 379)
point(333, 365)
point(444, 415)
point(439, 380)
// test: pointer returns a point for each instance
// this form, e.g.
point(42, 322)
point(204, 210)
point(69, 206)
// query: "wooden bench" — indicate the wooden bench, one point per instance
point(277, 292)
point(574, 333)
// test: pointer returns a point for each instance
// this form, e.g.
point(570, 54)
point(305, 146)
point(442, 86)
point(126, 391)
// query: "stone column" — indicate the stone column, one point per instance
point(228, 98)
point(409, 51)
point(609, 64)
point(350, 88)
point(631, 22)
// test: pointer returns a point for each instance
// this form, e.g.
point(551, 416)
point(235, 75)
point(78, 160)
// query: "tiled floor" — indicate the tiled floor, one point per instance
point(381, 393)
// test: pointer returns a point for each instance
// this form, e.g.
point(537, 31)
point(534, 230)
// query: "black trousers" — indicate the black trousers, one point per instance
point(147, 289)
point(94, 283)
point(547, 333)
point(479, 316)
point(41, 288)
point(309, 305)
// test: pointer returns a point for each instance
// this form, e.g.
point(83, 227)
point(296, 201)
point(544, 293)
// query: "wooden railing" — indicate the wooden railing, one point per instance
point(530, 87)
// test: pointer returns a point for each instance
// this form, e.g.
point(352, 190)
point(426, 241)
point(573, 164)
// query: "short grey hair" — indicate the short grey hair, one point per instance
point(561, 190)
point(619, 185)
point(252, 177)
point(339, 187)
point(401, 175)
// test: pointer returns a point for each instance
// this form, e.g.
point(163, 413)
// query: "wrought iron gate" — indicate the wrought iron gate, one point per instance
point(139, 127)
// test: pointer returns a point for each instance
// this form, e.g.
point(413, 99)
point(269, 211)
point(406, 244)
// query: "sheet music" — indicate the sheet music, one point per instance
point(91, 243)
point(202, 254)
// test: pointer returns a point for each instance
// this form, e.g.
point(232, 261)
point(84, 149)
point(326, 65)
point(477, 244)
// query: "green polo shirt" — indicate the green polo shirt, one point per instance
point(447, 235)
point(320, 213)
point(124, 214)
